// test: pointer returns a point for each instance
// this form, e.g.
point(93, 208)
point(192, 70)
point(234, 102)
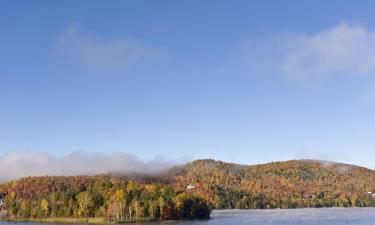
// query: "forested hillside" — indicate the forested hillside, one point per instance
point(100, 197)
point(189, 191)
point(290, 184)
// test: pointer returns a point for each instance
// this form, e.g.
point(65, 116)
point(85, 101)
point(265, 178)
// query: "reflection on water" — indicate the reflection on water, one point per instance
point(323, 216)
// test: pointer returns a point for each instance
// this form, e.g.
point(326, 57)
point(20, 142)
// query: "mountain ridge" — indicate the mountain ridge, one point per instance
point(283, 184)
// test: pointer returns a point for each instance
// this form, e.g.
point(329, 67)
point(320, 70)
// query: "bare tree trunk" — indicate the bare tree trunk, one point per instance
point(130, 212)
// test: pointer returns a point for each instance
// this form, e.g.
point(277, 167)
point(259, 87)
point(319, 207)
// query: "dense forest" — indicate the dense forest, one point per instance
point(88, 197)
point(190, 191)
point(290, 184)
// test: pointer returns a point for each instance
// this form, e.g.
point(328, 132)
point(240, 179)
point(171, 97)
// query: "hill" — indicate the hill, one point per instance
point(289, 184)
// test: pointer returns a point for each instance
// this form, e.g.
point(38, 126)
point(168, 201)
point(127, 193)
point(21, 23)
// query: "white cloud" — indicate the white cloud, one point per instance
point(21, 164)
point(105, 55)
point(345, 49)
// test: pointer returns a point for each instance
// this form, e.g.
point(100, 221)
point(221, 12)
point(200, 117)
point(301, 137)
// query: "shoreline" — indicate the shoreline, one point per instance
point(67, 220)
point(94, 220)
point(285, 209)
point(61, 220)
point(101, 220)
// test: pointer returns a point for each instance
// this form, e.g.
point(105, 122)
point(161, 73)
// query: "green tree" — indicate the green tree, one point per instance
point(120, 200)
point(44, 206)
point(85, 203)
point(152, 209)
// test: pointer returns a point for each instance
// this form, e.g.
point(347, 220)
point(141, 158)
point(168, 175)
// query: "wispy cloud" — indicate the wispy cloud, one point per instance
point(96, 53)
point(21, 164)
point(345, 49)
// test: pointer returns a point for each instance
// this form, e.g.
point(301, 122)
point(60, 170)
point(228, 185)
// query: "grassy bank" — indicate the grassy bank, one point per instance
point(99, 220)
point(67, 220)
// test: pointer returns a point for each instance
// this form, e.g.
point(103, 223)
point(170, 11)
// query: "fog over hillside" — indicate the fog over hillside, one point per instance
point(22, 164)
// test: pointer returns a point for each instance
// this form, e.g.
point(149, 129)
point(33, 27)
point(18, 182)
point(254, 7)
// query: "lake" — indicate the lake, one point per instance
point(322, 216)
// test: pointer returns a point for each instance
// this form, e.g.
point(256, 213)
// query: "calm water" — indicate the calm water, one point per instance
point(362, 216)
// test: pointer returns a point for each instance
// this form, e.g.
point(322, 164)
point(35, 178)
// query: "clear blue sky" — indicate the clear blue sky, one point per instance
point(241, 81)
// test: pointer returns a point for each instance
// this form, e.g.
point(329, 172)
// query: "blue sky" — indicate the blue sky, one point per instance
point(241, 81)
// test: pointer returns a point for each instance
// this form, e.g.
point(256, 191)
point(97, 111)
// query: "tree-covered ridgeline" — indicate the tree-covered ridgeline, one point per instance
point(288, 184)
point(88, 197)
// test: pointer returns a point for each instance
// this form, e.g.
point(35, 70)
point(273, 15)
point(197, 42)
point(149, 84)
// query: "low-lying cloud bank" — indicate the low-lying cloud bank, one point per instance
point(22, 164)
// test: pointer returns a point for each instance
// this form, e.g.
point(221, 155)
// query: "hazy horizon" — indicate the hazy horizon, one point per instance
point(17, 165)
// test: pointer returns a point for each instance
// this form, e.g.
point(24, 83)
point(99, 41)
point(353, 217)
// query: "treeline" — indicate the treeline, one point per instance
point(86, 197)
point(290, 184)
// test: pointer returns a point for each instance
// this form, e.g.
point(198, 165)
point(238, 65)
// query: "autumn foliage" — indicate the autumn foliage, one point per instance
point(290, 184)
point(119, 198)
point(87, 197)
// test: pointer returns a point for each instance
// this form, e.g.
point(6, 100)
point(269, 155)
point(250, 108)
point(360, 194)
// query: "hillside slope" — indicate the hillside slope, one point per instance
point(289, 184)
